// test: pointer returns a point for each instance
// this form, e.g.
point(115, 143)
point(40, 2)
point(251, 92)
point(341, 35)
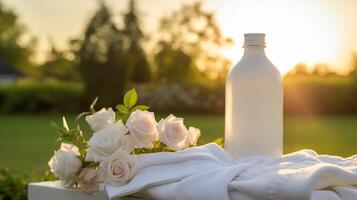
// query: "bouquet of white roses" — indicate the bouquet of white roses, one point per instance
point(109, 155)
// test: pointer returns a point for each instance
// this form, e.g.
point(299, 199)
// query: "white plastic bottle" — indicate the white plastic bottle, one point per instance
point(254, 103)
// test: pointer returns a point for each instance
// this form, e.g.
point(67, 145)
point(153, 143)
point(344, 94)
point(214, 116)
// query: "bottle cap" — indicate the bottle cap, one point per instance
point(254, 39)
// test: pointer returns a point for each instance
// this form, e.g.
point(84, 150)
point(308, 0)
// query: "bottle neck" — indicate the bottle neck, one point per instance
point(254, 51)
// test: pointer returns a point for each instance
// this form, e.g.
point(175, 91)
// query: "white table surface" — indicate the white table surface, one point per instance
point(53, 190)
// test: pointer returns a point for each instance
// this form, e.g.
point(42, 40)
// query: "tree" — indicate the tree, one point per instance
point(322, 69)
point(299, 69)
point(174, 64)
point(13, 47)
point(133, 38)
point(353, 73)
point(193, 35)
point(353, 76)
point(59, 66)
point(102, 59)
point(354, 65)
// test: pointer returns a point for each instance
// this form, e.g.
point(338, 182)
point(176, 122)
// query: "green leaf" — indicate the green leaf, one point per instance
point(121, 116)
point(141, 107)
point(123, 109)
point(130, 98)
point(67, 137)
point(54, 125)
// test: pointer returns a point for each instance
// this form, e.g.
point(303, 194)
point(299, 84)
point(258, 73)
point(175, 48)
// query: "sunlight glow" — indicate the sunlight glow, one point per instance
point(296, 31)
point(308, 31)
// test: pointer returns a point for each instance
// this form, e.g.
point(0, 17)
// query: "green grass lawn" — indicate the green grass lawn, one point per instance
point(28, 141)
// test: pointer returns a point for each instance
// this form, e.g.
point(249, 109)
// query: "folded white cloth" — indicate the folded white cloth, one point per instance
point(208, 172)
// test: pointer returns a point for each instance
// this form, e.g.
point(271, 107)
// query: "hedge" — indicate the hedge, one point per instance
point(41, 97)
point(311, 96)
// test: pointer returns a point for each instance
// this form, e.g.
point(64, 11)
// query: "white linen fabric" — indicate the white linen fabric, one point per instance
point(210, 173)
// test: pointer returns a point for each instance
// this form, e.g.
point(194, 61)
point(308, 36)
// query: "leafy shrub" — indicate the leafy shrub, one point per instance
point(302, 96)
point(311, 96)
point(180, 98)
point(15, 187)
point(39, 97)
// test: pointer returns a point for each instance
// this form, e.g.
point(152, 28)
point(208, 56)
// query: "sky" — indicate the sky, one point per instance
point(309, 31)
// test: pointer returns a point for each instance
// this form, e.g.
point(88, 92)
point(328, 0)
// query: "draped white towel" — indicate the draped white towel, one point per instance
point(210, 173)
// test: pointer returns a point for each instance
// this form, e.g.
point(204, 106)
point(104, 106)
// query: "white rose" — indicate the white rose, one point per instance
point(192, 136)
point(173, 132)
point(118, 169)
point(127, 143)
point(106, 141)
point(142, 126)
point(66, 164)
point(88, 180)
point(100, 119)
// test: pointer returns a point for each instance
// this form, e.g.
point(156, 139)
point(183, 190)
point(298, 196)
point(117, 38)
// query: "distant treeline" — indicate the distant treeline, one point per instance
point(181, 71)
point(320, 96)
point(108, 57)
point(335, 95)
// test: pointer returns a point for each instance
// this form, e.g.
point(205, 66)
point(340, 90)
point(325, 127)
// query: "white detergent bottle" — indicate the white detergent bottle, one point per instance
point(254, 103)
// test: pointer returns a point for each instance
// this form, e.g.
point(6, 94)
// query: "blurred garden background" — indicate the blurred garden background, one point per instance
point(176, 54)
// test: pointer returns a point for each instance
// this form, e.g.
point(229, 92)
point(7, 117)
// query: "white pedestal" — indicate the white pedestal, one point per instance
point(53, 190)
